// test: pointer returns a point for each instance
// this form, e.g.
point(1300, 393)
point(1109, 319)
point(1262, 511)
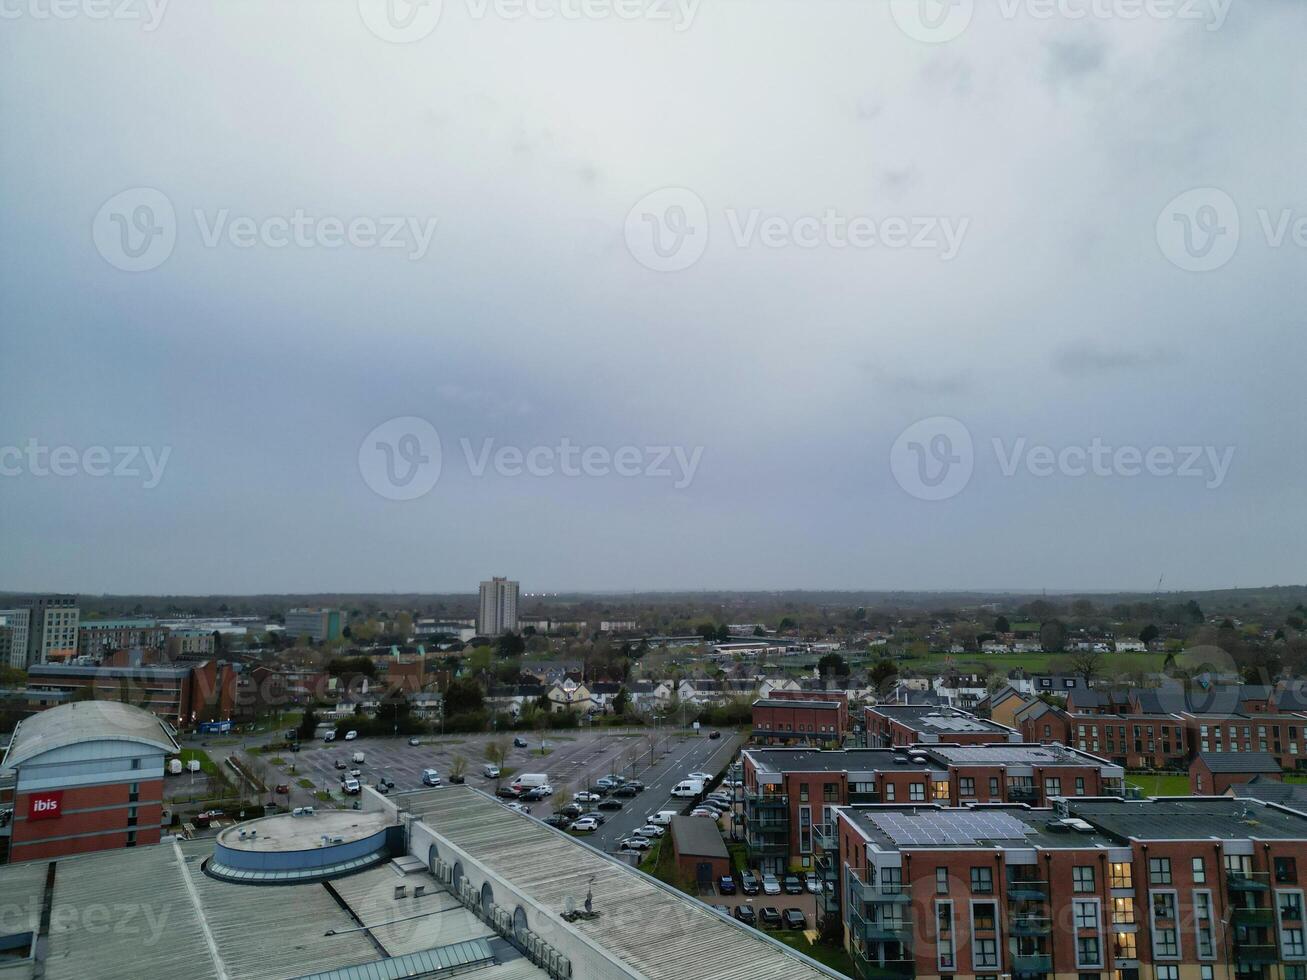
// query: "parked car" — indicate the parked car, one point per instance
point(746, 915)
point(457, 779)
point(607, 782)
point(748, 883)
point(792, 884)
point(356, 773)
point(723, 909)
point(812, 882)
point(771, 885)
point(795, 919)
point(586, 797)
point(329, 736)
point(382, 787)
point(699, 812)
point(572, 810)
point(627, 791)
point(726, 885)
point(519, 742)
point(351, 735)
point(714, 734)
point(584, 826)
point(518, 807)
point(414, 740)
point(537, 793)
point(635, 784)
point(560, 820)
point(489, 771)
point(594, 815)
point(634, 844)
point(281, 789)
point(651, 830)
point(610, 804)
point(507, 792)
point(338, 763)
point(430, 777)
point(352, 786)
point(770, 916)
point(705, 776)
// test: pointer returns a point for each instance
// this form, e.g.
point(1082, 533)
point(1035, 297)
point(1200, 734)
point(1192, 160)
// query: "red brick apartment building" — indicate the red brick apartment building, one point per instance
point(788, 791)
point(786, 721)
point(1212, 773)
point(88, 777)
point(912, 724)
point(1175, 889)
point(1163, 728)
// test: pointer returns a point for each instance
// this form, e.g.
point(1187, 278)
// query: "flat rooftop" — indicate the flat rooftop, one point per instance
point(933, 718)
point(965, 828)
point(816, 703)
point(938, 757)
point(1192, 818)
point(285, 832)
point(1015, 754)
point(838, 760)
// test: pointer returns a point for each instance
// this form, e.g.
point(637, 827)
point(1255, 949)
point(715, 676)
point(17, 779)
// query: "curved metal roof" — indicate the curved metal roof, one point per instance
point(83, 721)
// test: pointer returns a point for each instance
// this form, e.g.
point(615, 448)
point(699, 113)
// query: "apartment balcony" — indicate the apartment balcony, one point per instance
point(1021, 890)
point(1248, 881)
point(1022, 794)
point(766, 845)
point(767, 801)
point(862, 891)
point(1030, 925)
point(1256, 954)
point(1246, 916)
point(869, 966)
point(864, 798)
point(880, 932)
point(824, 839)
point(1027, 964)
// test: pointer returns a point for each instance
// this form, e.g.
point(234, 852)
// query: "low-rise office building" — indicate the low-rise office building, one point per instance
point(785, 721)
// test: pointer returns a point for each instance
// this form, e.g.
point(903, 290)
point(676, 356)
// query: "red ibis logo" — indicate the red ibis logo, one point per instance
point(45, 806)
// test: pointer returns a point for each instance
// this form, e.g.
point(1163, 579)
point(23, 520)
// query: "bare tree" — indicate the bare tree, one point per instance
point(457, 767)
point(1086, 663)
point(496, 753)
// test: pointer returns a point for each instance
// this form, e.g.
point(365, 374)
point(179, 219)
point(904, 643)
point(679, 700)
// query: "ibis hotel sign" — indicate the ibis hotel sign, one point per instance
point(45, 806)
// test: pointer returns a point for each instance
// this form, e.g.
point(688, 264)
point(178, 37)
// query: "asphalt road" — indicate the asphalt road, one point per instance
point(695, 753)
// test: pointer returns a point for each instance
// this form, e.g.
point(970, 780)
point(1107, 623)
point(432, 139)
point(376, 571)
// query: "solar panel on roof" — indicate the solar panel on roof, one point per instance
point(933, 828)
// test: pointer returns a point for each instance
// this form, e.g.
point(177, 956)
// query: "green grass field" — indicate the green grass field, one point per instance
point(1158, 785)
point(207, 765)
point(1111, 665)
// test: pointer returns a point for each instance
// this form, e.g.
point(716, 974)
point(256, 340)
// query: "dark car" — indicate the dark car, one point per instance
point(723, 909)
point(456, 779)
point(770, 916)
point(560, 820)
point(794, 919)
point(726, 885)
point(627, 791)
point(282, 788)
point(714, 734)
point(571, 810)
point(339, 763)
point(745, 914)
point(594, 815)
point(519, 742)
point(634, 784)
point(792, 884)
point(749, 883)
point(610, 804)
point(507, 792)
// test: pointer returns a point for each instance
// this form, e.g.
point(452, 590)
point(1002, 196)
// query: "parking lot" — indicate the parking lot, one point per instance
point(573, 759)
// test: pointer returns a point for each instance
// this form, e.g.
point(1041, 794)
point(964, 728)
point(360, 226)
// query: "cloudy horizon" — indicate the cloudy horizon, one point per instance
point(662, 296)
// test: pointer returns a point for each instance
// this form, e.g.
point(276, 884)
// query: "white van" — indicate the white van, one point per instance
point(663, 817)
point(430, 777)
point(489, 771)
point(530, 780)
point(358, 758)
point(688, 787)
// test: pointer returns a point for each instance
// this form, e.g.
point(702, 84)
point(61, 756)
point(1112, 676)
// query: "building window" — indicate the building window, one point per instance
point(966, 786)
point(1052, 786)
point(1123, 911)
point(1200, 871)
point(136, 763)
point(1168, 973)
point(1082, 877)
point(1122, 874)
point(1163, 905)
point(1293, 943)
point(803, 792)
point(1159, 871)
point(983, 917)
point(944, 949)
point(1086, 916)
point(131, 838)
point(1286, 870)
point(1290, 905)
point(1125, 946)
point(133, 792)
point(941, 881)
point(889, 792)
point(830, 792)
point(982, 881)
point(1080, 780)
point(1203, 925)
point(985, 953)
point(1088, 951)
point(891, 880)
point(1165, 943)
point(916, 792)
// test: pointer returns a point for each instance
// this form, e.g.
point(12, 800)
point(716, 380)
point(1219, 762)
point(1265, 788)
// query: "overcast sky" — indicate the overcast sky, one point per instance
point(874, 219)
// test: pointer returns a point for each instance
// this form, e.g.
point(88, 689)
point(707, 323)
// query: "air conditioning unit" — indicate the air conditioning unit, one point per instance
point(401, 891)
point(419, 891)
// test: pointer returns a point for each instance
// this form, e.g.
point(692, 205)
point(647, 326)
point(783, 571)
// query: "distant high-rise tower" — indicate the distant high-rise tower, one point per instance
point(51, 628)
point(497, 613)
